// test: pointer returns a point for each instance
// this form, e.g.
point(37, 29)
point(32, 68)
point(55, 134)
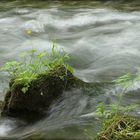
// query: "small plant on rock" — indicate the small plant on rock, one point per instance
point(117, 123)
point(115, 118)
point(34, 63)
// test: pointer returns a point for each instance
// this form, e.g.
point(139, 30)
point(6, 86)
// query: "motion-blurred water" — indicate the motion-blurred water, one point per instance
point(103, 40)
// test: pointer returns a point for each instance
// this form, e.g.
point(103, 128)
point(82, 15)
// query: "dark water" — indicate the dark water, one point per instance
point(102, 38)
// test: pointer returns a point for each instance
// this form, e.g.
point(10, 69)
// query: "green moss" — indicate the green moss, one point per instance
point(121, 128)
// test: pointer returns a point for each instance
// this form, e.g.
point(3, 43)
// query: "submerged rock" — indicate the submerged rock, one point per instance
point(121, 128)
point(42, 91)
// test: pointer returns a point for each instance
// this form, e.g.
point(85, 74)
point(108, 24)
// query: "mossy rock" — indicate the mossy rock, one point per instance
point(121, 128)
point(42, 91)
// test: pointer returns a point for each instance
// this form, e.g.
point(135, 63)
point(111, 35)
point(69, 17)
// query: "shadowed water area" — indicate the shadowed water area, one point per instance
point(103, 40)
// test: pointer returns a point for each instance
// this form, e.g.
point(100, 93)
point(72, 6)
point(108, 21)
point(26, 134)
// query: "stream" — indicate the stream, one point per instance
point(103, 41)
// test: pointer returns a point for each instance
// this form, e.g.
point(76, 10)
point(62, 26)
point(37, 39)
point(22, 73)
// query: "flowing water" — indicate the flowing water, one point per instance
point(103, 40)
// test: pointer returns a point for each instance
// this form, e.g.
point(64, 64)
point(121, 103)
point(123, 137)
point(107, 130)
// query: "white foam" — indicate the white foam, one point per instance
point(34, 25)
point(5, 127)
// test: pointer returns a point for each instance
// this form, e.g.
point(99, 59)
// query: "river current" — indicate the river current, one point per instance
point(103, 41)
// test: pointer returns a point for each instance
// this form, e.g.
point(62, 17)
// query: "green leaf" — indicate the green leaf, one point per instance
point(40, 55)
point(33, 51)
point(69, 68)
point(25, 89)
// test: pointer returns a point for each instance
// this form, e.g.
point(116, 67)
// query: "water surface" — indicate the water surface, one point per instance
point(102, 39)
